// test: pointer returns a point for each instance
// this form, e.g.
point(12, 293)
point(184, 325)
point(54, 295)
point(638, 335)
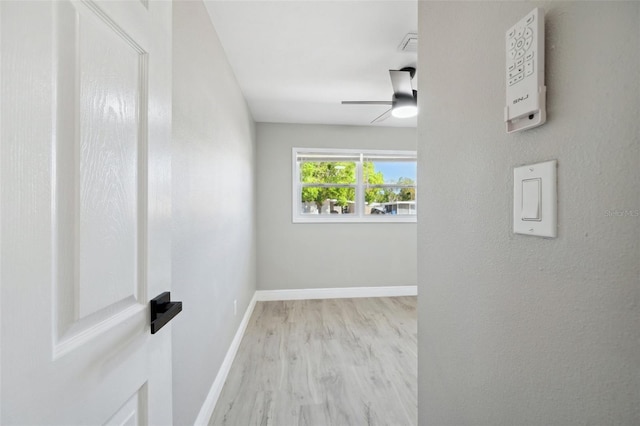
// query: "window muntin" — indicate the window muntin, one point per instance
point(354, 186)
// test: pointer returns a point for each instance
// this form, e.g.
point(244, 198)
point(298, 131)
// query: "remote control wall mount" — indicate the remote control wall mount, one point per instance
point(526, 91)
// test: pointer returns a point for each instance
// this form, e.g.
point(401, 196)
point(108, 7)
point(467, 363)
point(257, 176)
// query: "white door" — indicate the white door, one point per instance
point(85, 208)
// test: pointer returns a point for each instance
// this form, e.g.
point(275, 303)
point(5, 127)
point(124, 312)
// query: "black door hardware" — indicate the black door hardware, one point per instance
point(162, 311)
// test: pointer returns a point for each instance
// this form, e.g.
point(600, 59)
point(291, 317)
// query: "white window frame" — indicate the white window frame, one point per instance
point(359, 216)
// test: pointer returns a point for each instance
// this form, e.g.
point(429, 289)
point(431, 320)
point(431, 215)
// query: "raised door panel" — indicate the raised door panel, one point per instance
point(133, 412)
point(101, 175)
point(110, 80)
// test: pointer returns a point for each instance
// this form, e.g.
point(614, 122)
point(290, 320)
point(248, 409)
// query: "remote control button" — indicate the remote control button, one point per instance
point(511, 66)
point(512, 43)
point(519, 62)
point(519, 43)
point(528, 33)
point(512, 82)
point(519, 32)
point(512, 32)
point(520, 54)
point(528, 68)
point(512, 54)
point(529, 56)
point(518, 78)
point(530, 19)
point(527, 43)
point(516, 72)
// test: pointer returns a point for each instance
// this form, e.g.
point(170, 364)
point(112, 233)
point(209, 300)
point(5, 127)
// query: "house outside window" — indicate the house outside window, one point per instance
point(342, 185)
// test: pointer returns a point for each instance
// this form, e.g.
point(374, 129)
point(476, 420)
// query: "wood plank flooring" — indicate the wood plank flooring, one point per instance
point(332, 362)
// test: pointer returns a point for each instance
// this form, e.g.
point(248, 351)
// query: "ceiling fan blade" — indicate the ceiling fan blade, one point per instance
point(382, 116)
point(401, 82)
point(366, 102)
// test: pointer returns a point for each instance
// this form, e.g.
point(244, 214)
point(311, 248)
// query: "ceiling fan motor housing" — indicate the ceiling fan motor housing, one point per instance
point(410, 70)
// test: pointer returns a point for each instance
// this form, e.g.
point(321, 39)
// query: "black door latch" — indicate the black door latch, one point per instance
point(163, 310)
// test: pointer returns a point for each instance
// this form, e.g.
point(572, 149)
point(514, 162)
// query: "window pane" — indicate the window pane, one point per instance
point(327, 200)
point(393, 201)
point(343, 172)
point(327, 181)
point(390, 172)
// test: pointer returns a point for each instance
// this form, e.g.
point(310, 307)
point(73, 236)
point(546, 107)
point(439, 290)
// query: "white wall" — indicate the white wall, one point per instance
point(213, 207)
point(517, 329)
point(303, 255)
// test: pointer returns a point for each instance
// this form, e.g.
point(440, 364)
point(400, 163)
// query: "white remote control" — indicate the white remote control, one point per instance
point(526, 92)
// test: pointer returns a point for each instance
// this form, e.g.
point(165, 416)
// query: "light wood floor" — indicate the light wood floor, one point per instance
point(334, 362)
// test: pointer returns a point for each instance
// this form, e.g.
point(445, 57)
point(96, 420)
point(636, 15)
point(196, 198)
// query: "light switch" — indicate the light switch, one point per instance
point(535, 205)
point(531, 199)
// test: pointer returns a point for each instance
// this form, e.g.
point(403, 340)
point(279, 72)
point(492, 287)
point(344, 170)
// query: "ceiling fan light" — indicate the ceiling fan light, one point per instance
point(404, 106)
point(404, 111)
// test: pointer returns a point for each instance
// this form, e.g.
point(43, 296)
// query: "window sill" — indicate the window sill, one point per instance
point(376, 219)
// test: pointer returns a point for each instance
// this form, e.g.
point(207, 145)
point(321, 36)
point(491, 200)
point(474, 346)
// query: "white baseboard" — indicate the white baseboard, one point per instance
point(270, 295)
point(206, 411)
point(336, 293)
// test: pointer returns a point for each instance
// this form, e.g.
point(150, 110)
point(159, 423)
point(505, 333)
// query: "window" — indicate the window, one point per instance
point(339, 185)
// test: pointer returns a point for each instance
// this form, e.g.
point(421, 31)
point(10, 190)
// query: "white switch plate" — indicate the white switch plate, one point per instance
point(524, 222)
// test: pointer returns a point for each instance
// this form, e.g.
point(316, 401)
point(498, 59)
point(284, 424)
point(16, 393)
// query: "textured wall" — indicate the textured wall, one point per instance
point(305, 255)
point(517, 329)
point(213, 207)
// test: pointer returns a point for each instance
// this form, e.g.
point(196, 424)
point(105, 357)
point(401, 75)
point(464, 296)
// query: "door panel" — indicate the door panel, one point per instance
point(133, 411)
point(101, 181)
point(85, 211)
point(112, 79)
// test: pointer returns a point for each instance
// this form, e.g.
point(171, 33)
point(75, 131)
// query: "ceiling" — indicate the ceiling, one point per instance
point(296, 60)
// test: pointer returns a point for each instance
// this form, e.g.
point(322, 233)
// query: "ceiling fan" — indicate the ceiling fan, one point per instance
point(404, 102)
